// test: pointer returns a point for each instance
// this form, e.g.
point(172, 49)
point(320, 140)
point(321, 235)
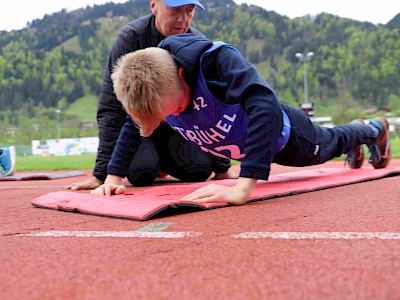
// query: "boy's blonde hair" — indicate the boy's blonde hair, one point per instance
point(141, 79)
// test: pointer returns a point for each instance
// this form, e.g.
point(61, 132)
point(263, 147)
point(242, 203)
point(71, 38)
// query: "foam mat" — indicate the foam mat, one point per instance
point(145, 204)
point(41, 176)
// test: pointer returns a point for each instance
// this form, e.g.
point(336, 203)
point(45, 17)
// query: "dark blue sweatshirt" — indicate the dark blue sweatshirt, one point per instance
point(234, 80)
point(119, 137)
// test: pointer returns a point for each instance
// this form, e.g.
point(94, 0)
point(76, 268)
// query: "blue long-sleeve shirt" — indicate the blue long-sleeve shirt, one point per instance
point(234, 80)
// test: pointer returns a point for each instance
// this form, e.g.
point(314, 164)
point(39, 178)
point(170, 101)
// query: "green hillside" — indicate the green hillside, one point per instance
point(84, 108)
point(57, 63)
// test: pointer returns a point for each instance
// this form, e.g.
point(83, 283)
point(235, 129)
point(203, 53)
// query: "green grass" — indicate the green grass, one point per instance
point(396, 147)
point(87, 161)
point(71, 162)
point(85, 108)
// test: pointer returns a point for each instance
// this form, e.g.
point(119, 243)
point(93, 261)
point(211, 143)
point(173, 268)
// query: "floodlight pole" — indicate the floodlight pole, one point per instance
point(304, 58)
point(58, 123)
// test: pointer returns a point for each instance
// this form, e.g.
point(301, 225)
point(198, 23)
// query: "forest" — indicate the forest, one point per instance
point(57, 62)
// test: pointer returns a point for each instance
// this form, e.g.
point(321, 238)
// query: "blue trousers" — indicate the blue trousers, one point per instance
point(310, 144)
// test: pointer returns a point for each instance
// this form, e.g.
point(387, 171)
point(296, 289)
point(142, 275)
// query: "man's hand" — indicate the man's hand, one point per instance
point(236, 195)
point(85, 185)
point(112, 186)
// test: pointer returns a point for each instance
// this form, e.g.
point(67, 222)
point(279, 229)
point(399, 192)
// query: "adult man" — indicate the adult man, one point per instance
point(168, 17)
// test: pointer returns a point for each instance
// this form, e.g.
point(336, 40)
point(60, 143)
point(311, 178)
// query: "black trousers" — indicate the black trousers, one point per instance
point(167, 151)
point(310, 144)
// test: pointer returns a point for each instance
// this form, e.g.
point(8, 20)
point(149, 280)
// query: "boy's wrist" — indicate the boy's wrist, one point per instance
point(113, 179)
point(246, 185)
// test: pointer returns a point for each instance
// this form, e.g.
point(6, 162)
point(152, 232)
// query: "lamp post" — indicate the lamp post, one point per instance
point(58, 123)
point(307, 107)
point(304, 58)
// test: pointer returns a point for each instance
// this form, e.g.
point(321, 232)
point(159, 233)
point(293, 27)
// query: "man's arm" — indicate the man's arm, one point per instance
point(110, 113)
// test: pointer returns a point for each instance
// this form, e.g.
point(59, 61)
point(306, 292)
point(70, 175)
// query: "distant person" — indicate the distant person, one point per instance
point(166, 152)
point(215, 98)
point(7, 161)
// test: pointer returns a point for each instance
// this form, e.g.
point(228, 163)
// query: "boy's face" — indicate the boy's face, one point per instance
point(172, 20)
point(175, 104)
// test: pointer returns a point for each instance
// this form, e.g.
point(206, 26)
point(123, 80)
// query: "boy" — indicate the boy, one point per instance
point(142, 160)
point(212, 96)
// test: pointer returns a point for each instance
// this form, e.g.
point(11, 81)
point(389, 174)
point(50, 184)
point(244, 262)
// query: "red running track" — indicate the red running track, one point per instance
point(341, 243)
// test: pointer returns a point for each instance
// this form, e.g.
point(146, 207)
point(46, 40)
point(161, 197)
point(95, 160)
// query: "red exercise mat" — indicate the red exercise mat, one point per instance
point(144, 204)
point(41, 176)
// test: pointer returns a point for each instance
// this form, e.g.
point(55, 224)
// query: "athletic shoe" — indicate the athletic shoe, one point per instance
point(381, 151)
point(7, 161)
point(355, 158)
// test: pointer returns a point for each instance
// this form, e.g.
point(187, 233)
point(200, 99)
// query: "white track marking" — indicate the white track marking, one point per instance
point(319, 235)
point(30, 187)
point(244, 235)
point(115, 234)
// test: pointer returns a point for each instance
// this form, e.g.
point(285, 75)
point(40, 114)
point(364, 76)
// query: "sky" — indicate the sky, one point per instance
point(15, 14)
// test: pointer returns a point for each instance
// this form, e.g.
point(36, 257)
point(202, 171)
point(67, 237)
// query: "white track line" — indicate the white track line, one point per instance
point(30, 187)
point(115, 234)
point(244, 235)
point(319, 235)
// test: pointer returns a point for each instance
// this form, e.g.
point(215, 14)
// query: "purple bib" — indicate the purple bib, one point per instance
point(216, 127)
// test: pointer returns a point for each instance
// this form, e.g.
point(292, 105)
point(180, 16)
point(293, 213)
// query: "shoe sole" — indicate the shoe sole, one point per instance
point(358, 162)
point(13, 155)
point(383, 163)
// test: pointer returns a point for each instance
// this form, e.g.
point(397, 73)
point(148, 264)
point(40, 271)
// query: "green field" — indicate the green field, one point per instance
point(70, 162)
point(87, 161)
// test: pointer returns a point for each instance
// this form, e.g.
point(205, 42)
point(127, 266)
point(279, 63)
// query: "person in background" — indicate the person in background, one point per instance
point(215, 98)
point(7, 161)
point(142, 160)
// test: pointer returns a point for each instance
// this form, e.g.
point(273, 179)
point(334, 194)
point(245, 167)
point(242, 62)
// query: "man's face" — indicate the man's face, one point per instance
point(172, 20)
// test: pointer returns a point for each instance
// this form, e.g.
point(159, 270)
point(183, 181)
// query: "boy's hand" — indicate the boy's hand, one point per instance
point(109, 189)
point(112, 186)
point(236, 195)
point(85, 185)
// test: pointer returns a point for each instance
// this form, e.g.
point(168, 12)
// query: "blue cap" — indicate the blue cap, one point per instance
point(175, 3)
